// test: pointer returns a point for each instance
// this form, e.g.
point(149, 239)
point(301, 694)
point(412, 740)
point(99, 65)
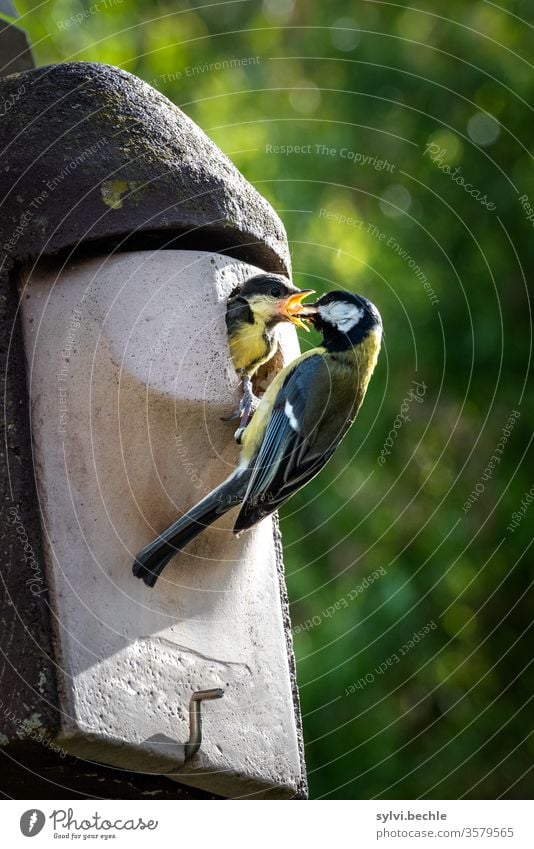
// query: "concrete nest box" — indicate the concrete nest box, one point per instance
point(124, 229)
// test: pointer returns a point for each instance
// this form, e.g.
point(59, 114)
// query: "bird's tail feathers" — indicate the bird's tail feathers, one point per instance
point(152, 559)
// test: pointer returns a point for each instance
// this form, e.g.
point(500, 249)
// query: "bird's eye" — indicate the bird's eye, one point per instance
point(276, 292)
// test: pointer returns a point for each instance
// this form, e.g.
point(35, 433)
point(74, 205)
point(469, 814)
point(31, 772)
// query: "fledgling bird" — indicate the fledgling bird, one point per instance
point(252, 313)
point(301, 419)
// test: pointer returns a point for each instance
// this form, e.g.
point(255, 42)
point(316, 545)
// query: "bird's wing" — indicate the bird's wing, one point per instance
point(238, 312)
point(292, 450)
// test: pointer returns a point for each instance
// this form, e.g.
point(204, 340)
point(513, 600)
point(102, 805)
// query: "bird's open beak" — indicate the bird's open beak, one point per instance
point(309, 312)
point(292, 308)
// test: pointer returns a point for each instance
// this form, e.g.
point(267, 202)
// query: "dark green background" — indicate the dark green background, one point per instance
point(453, 717)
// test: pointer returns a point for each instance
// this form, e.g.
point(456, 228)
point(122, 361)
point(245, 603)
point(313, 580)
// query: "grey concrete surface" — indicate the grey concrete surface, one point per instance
point(129, 374)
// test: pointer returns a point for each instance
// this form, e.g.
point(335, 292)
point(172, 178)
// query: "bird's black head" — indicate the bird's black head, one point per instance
point(344, 319)
point(266, 286)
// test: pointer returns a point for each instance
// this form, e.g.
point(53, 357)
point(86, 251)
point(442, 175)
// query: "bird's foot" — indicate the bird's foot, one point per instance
point(247, 399)
point(234, 415)
point(248, 407)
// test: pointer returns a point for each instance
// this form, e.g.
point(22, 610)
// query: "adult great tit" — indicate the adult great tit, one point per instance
point(252, 313)
point(301, 419)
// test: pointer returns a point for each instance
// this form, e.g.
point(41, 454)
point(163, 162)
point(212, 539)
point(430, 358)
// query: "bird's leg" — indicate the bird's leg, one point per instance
point(238, 411)
point(248, 406)
point(249, 402)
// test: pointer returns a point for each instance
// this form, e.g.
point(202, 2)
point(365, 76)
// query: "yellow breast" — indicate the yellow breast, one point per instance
point(362, 360)
point(249, 347)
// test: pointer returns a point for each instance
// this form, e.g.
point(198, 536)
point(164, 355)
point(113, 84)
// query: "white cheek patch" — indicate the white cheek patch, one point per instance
point(342, 315)
point(288, 410)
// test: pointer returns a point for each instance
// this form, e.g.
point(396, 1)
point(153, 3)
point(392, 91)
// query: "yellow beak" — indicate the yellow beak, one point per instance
point(292, 307)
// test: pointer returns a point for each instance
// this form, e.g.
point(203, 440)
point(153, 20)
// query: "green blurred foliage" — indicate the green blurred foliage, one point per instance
point(452, 717)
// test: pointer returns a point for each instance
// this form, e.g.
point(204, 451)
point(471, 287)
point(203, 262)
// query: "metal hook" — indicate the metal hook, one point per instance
point(195, 719)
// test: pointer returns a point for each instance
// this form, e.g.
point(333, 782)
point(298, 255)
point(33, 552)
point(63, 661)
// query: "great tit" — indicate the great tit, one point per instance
point(301, 419)
point(253, 311)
